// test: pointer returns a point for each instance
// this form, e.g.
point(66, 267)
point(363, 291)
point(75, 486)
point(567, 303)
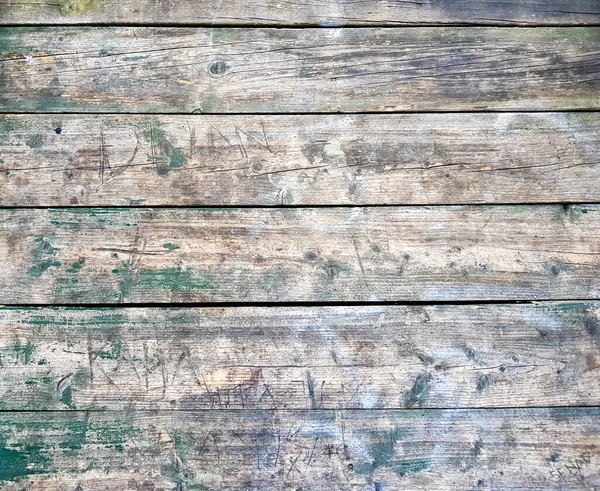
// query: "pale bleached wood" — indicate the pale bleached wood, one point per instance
point(533, 449)
point(225, 70)
point(303, 12)
point(301, 358)
point(110, 255)
point(52, 160)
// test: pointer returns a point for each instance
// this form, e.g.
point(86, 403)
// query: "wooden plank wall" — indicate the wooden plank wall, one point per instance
point(299, 245)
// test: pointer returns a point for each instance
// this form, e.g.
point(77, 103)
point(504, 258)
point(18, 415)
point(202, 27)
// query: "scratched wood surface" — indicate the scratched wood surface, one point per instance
point(64, 160)
point(224, 70)
point(300, 358)
point(302, 13)
point(111, 255)
point(149, 345)
point(505, 449)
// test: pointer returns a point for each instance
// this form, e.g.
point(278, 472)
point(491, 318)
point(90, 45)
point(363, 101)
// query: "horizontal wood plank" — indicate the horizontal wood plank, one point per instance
point(223, 70)
point(551, 449)
point(64, 160)
point(300, 358)
point(111, 255)
point(276, 12)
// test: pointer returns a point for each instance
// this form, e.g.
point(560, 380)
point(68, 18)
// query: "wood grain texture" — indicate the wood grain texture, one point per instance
point(64, 160)
point(275, 12)
point(300, 358)
point(221, 70)
point(110, 255)
point(551, 449)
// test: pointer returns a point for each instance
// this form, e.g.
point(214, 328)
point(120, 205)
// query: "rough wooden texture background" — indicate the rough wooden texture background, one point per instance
point(147, 345)
point(64, 160)
point(462, 356)
point(223, 70)
point(111, 255)
point(303, 12)
point(550, 449)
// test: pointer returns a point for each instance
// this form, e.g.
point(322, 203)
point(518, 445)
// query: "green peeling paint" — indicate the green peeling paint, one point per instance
point(19, 463)
point(67, 397)
point(135, 58)
point(383, 452)
point(174, 279)
point(170, 246)
point(419, 392)
point(164, 154)
point(115, 350)
point(35, 141)
point(75, 267)
point(24, 352)
point(43, 257)
point(9, 123)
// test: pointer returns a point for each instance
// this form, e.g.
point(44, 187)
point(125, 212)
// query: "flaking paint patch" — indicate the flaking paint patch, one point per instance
point(169, 279)
point(164, 154)
point(44, 257)
point(383, 452)
point(419, 392)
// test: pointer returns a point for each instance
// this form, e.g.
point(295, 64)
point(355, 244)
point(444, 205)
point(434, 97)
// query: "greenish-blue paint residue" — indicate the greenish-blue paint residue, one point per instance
point(419, 392)
point(44, 256)
point(170, 246)
point(383, 452)
point(175, 467)
point(164, 154)
point(19, 463)
point(115, 350)
point(136, 58)
point(21, 459)
point(9, 123)
point(35, 141)
point(409, 466)
point(43, 265)
point(67, 397)
point(108, 317)
point(174, 279)
point(553, 458)
point(75, 267)
point(64, 223)
point(24, 352)
point(474, 454)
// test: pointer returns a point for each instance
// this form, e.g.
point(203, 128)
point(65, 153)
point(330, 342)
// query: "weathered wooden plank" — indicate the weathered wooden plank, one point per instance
point(331, 12)
point(301, 358)
point(273, 450)
point(52, 160)
point(224, 70)
point(109, 255)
